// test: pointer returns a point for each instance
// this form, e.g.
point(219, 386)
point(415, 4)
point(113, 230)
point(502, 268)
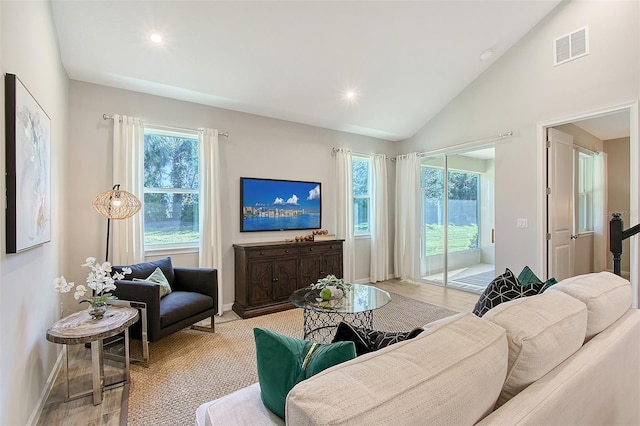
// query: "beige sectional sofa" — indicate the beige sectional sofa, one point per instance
point(570, 356)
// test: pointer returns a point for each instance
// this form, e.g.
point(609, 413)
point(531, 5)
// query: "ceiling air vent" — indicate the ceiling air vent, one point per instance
point(571, 46)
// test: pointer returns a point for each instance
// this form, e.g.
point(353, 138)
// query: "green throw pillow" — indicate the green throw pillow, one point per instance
point(527, 277)
point(158, 278)
point(285, 361)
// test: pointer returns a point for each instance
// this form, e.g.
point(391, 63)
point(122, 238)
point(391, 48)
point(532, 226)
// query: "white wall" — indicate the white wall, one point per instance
point(28, 304)
point(523, 89)
point(257, 147)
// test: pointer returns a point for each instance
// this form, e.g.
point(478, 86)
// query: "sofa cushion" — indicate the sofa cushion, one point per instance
point(242, 407)
point(371, 340)
point(143, 270)
point(502, 289)
point(417, 381)
point(542, 332)
point(606, 295)
point(180, 305)
point(284, 361)
point(158, 278)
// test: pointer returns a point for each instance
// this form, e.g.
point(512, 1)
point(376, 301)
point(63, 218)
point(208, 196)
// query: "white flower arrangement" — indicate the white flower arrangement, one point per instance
point(100, 281)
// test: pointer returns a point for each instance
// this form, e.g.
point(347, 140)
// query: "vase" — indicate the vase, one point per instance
point(97, 310)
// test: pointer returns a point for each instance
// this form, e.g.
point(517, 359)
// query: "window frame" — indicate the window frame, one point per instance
point(584, 188)
point(363, 159)
point(170, 248)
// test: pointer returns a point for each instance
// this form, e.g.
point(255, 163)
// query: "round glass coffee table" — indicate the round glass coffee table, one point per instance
point(321, 318)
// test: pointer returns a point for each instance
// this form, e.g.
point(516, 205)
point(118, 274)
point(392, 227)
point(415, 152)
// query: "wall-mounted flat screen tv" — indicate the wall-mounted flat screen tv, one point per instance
point(279, 205)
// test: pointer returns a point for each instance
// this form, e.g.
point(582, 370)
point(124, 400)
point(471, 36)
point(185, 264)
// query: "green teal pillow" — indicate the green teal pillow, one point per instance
point(285, 361)
point(527, 277)
point(158, 278)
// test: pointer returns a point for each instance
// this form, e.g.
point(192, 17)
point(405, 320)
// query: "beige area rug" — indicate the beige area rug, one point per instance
point(189, 368)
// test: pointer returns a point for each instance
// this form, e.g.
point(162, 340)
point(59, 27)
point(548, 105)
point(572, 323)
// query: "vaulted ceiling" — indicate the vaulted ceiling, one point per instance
point(297, 60)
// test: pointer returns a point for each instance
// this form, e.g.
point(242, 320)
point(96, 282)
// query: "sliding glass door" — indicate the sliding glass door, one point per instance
point(458, 219)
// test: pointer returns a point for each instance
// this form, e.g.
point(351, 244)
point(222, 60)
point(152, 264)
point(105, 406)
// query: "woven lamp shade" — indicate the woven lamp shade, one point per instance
point(117, 204)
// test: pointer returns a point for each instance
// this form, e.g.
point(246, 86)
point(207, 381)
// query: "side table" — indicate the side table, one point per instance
point(80, 328)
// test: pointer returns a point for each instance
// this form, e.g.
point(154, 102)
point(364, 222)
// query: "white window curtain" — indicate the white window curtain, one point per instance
point(600, 216)
point(209, 202)
point(344, 210)
point(407, 225)
point(128, 158)
point(379, 270)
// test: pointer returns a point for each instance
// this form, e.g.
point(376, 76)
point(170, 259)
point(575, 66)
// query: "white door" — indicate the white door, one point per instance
point(560, 244)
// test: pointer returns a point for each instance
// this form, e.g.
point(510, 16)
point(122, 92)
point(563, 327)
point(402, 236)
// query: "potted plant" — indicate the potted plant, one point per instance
point(331, 287)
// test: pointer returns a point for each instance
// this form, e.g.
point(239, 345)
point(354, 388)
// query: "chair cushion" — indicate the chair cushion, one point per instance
point(542, 331)
point(606, 295)
point(285, 361)
point(180, 305)
point(143, 270)
point(158, 278)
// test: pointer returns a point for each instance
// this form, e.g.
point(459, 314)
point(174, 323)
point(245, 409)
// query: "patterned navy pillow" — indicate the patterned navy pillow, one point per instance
point(503, 288)
point(371, 340)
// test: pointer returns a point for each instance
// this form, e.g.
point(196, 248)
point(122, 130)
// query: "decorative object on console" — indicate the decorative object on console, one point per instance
point(116, 204)
point(100, 281)
point(323, 235)
point(279, 205)
point(285, 361)
point(28, 173)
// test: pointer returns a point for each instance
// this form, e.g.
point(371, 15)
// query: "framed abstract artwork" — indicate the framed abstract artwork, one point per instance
point(28, 168)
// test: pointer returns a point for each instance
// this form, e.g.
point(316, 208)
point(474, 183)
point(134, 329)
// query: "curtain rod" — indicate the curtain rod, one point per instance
point(335, 150)
point(225, 134)
point(463, 146)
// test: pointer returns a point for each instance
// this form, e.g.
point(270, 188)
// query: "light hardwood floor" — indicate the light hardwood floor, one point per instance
point(112, 411)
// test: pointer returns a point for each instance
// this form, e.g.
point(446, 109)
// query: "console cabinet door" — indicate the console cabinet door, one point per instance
point(331, 263)
point(322, 261)
point(285, 278)
point(260, 282)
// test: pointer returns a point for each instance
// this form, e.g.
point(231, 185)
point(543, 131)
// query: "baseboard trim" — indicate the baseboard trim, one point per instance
point(46, 391)
point(226, 307)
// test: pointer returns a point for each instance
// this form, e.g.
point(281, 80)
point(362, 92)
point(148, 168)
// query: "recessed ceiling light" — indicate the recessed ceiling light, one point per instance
point(487, 54)
point(156, 38)
point(350, 95)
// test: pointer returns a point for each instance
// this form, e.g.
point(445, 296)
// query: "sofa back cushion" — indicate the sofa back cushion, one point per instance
point(606, 295)
point(145, 269)
point(451, 373)
point(542, 331)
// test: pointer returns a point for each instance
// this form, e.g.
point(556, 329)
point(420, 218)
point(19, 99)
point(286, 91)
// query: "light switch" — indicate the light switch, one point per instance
point(522, 223)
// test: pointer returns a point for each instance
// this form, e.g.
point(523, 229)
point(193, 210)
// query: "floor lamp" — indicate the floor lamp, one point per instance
point(116, 204)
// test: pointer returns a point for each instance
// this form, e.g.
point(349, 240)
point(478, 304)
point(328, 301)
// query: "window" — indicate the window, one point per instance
point(585, 192)
point(170, 189)
point(463, 216)
point(361, 194)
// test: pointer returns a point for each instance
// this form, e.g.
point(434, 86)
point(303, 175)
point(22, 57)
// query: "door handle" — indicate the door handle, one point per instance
point(574, 237)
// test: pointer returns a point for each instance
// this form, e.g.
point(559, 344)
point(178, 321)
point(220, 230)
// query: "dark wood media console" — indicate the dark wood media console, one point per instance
point(267, 273)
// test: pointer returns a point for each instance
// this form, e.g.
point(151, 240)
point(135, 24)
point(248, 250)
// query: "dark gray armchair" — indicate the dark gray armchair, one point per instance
point(193, 297)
